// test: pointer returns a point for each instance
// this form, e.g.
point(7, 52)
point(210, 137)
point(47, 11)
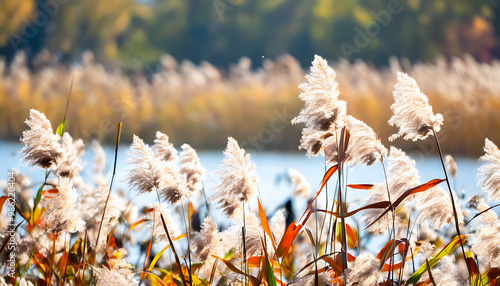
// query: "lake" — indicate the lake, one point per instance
point(271, 167)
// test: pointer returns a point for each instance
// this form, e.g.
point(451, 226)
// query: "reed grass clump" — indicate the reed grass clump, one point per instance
point(75, 231)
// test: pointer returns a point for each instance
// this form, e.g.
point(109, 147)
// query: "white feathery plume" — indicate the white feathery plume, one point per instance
point(364, 145)
point(401, 176)
point(489, 174)
point(426, 250)
point(149, 173)
point(209, 241)
point(206, 242)
point(159, 231)
point(324, 279)
point(99, 161)
point(412, 112)
point(448, 273)
point(42, 148)
point(364, 270)
point(435, 208)
point(24, 282)
point(378, 193)
point(61, 214)
point(163, 148)
point(451, 165)
point(486, 244)
point(69, 165)
point(300, 183)
point(118, 273)
point(485, 240)
point(191, 168)
point(238, 180)
point(253, 237)
point(402, 173)
point(145, 171)
point(173, 188)
point(116, 205)
point(486, 217)
point(323, 111)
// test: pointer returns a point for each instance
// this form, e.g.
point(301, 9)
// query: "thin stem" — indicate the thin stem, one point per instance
point(110, 188)
point(457, 227)
point(205, 197)
point(393, 220)
point(342, 222)
point(188, 230)
point(243, 230)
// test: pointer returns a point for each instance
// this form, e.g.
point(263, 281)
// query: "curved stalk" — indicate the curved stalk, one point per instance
point(457, 226)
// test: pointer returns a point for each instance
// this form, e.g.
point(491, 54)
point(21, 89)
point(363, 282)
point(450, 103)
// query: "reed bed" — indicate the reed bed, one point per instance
point(195, 102)
point(69, 231)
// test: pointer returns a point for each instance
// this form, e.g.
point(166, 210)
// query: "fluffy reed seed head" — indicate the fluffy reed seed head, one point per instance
point(116, 205)
point(378, 193)
point(145, 171)
point(402, 173)
point(61, 214)
point(100, 158)
point(412, 112)
point(149, 173)
point(451, 165)
point(364, 270)
point(486, 244)
point(238, 180)
point(364, 145)
point(72, 151)
point(489, 174)
point(206, 243)
point(323, 110)
point(119, 271)
point(191, 168)
point(41, 145)
point(157, 224)
point(301, 186)
point(435, 208)
point(163, 148)
point(401, 176)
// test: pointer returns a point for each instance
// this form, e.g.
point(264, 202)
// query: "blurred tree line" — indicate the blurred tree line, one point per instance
point(134, 33)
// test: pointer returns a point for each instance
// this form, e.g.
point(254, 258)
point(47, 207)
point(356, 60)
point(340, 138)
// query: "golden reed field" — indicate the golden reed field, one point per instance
point(203, 105)
point(67, 230)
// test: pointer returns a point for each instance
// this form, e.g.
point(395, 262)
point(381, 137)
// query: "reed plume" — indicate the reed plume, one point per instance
point(149, 173)
point(401, 176)
point(61, 211)
point(489, 174)
point(72, 151)
point(364, 145)
point(116, 272)
point(451, 165)
point(412, 112)
point(163, 148)
point(157, 229)
point(323, 111)
point(114, 209)
point(41, 145)
point(145, 171)
point(238, 180)
point(99, 161)
point(436, 209)
point(301, 186)
point(364, 270)
point(191, 169)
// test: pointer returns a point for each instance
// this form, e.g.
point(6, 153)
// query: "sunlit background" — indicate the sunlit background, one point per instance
point(201, 71)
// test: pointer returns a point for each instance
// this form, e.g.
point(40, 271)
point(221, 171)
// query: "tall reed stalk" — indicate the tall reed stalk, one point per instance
point(457, 225)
